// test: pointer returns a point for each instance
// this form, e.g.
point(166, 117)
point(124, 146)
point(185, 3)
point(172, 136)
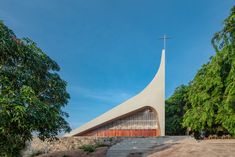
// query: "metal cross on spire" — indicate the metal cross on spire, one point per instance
point(164, 38)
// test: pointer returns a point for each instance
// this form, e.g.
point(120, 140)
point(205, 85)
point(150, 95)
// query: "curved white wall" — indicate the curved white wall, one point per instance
point(153, 95)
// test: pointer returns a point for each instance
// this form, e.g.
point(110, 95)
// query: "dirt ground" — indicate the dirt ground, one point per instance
point(99, 152)
point(205, 148)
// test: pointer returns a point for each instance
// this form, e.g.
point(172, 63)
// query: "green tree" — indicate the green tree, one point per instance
point(224, 44)
point(204, 95)
point(32, 94)
point(175, 109)
point(212, 91)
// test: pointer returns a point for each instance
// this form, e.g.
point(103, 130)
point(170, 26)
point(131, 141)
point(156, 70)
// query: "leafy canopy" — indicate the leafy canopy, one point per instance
point(31, 94)
point(175, 109)
point(210, 96)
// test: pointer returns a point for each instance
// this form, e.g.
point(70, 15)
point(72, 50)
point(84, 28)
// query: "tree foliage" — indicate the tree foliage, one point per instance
point(211, 94)
point(175, 109)
point(31, 94)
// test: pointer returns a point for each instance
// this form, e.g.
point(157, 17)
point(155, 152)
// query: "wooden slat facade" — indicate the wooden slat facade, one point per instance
point(142, 123)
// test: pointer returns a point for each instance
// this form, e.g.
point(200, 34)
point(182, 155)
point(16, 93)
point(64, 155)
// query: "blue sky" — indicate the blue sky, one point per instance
point(109, 50)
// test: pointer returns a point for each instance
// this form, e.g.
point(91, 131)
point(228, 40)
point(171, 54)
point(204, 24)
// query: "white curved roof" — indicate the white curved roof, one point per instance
point(153, 95)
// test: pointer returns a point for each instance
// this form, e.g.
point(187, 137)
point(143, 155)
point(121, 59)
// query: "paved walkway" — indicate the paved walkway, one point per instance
point(140, 147)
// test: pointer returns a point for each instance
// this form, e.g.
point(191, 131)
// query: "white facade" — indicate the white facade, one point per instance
point(152, 96)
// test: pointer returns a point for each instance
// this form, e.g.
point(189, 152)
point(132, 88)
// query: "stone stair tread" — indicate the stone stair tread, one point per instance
point(141, 145)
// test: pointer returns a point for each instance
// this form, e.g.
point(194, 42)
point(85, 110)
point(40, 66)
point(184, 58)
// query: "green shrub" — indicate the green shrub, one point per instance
point(88, 148)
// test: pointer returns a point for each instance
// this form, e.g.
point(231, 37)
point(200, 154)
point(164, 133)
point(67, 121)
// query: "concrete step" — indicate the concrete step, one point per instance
point(141, 145)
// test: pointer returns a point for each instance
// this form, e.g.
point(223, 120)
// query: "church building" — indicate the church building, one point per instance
point(141, 115)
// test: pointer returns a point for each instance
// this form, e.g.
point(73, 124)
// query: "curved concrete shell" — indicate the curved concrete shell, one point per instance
point(153, 96)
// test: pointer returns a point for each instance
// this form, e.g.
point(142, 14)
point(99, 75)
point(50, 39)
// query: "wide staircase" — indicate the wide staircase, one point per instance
point(139, 147)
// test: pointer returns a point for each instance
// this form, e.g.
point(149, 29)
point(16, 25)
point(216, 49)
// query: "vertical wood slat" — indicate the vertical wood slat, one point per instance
point(142, 123)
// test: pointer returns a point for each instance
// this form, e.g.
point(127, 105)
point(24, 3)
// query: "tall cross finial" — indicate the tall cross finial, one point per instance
point(164, 38)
